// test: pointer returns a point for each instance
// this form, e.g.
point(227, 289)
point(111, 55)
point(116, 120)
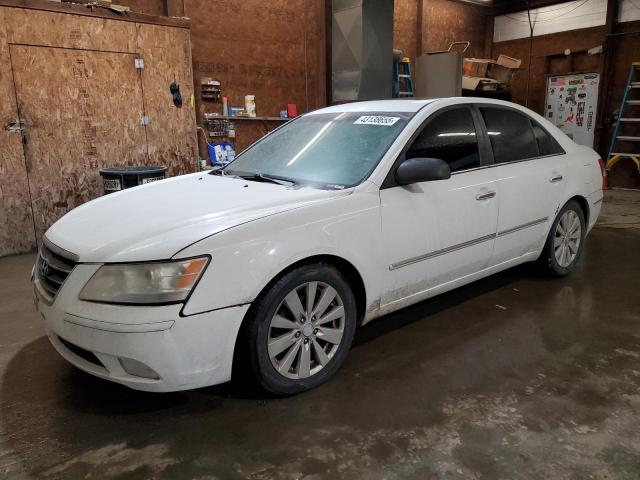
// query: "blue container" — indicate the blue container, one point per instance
point(224, 154)
point(212, 153)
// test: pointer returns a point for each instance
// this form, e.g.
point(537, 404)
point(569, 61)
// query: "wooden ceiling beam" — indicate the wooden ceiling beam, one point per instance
point(77, 9)
point(174, 8)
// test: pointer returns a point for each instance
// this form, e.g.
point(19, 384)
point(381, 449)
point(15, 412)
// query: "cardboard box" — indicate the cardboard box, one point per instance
point(476, 67)
point(503, 69)
point(508, 62)
point(479, 83)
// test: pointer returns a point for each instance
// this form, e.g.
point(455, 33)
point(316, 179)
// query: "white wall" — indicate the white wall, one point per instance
point(629, 10)
point(555, 18)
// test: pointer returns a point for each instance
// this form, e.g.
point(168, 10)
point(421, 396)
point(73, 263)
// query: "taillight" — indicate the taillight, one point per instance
point(603, 171)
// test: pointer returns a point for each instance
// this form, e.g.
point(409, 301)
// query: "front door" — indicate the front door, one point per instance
point(441, 231)
point(82, 111)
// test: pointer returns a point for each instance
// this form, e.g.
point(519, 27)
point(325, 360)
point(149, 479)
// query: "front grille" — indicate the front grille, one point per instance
point(53, 268)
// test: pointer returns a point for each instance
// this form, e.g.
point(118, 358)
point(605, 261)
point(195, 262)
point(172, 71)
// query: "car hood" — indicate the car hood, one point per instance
point(157, 220)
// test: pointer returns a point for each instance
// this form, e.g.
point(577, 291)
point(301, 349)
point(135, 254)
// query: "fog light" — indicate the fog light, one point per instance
point(138, 369)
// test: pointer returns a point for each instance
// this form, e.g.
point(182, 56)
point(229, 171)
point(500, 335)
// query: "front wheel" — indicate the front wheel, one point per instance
point(300, 330)
point(565, 241)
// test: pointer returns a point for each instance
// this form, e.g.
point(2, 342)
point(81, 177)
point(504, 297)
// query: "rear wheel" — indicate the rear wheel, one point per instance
point(565, 241)
point(301, 329)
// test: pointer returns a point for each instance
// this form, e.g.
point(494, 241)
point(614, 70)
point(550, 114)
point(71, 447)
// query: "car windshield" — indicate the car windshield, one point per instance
point(325, 150)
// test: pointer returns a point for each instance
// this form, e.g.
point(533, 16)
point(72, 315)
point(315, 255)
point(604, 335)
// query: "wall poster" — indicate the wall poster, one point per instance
point(571, 105)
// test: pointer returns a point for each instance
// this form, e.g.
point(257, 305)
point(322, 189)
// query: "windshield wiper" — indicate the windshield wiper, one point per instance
point(263, 177)
point(222, 173)
point(257, 177)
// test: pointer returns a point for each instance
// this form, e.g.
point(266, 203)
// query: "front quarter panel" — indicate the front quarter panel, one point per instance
point(247, 257)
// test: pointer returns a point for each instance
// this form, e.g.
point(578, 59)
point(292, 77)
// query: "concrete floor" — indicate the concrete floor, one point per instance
point(513, 377)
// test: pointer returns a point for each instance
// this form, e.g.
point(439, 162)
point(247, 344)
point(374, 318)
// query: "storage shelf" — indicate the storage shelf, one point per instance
point(262, 119)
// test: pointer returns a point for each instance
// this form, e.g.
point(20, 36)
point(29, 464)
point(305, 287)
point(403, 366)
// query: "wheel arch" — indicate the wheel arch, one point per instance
point(584, 206)
point(345, 267)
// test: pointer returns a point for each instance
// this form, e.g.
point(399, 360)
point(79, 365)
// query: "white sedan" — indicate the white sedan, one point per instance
point(338, 217)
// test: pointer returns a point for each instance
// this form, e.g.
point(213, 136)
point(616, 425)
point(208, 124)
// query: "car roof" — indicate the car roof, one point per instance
point(410, 105)
point(398, 105)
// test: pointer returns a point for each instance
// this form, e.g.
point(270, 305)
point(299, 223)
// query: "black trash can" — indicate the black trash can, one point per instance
point(119, 178)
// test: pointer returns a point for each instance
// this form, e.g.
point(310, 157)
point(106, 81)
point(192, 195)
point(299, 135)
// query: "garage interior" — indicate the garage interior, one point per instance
point(514, 376)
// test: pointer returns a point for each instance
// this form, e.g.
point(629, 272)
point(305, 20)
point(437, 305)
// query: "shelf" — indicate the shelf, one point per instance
point(261, 119)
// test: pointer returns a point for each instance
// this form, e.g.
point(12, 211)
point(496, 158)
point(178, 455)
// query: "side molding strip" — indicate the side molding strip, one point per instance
point(460, 246)
point(453, 248)
point(523, 226)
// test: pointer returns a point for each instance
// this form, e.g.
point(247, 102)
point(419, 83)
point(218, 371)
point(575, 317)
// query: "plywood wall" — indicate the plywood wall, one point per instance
point(16, 221)
point(171, 136)
point(442, 22)
point(542, 47)
point(83, 109)
point(273, 50)
point(148, 7)
point(75, 81)
point(446, 21)
point(258, 48)
point(405, 27)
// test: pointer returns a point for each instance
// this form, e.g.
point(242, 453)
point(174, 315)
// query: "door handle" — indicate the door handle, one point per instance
point(485, 196)
point(556, 179)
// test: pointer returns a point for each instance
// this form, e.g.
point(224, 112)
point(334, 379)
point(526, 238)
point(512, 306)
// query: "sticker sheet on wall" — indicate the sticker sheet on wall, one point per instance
point(571, 105)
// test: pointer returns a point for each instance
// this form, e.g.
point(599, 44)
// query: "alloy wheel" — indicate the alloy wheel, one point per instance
point(306, 330)
point(567, 238)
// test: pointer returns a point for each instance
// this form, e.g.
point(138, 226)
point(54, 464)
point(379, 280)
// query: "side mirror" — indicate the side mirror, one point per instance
point(417, 170)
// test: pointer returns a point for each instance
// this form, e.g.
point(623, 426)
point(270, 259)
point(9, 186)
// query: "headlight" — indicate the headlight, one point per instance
point(144, 283)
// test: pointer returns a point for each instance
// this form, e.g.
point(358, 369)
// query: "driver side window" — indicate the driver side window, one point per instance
point(449, 136)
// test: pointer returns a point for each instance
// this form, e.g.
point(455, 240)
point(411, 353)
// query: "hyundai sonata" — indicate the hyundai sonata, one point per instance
point(340, 216)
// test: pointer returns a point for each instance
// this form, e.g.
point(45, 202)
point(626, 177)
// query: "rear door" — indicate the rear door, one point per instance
point(439, 231)
point(530, 168)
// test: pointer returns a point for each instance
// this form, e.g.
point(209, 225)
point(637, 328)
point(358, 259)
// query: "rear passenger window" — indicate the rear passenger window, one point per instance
point(547, 145)
point(510, 133)
point(449, 136)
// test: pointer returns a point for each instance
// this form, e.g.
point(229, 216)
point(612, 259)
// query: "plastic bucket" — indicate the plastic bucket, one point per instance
point(118, 178)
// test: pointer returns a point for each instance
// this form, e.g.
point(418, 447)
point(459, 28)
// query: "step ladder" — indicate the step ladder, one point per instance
point(402, 80)
point(629, 120)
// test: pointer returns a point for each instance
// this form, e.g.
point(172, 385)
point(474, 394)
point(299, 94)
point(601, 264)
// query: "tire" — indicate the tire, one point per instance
point(562, 252)
point(272, 326)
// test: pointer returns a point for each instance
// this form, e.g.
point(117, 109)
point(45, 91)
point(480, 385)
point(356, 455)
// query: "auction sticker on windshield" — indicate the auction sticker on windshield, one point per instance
point(376, 120)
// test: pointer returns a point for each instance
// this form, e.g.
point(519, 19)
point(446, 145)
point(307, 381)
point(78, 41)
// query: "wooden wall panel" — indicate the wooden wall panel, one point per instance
point(258, 48)
point(542, 47)
point(148, 7)
point(405, 26)
point(442, 22)
point(171, 134)
point(446, 21)
point(32, 27)
point(16, 223)
point(83, 98)
point(83, 110)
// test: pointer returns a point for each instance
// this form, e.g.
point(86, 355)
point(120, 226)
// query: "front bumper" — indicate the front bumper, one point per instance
point(185, 352)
